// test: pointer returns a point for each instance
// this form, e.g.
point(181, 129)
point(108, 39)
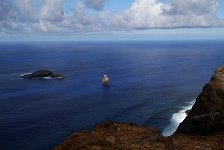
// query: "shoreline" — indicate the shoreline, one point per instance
point(176, 119)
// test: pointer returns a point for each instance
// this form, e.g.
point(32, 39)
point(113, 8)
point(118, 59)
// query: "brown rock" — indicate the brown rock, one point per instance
point(113, 135)
point(132, 137)
point(207, 114)
point(111, 139)
point(187, 111)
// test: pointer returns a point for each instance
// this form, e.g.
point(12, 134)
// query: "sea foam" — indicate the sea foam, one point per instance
point(176, 119)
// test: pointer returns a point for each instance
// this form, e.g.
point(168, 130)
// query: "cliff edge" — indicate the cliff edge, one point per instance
point(202, 129)
point(207, 114)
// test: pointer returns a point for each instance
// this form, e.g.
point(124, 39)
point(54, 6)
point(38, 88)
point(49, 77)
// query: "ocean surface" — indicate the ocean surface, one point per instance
point(152, 83)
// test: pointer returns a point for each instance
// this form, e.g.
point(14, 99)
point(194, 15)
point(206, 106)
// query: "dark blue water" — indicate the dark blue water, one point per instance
point(150, 82)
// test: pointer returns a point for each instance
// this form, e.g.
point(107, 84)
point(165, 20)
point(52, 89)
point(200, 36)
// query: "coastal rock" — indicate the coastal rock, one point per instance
point(42, 74)
point(112, 135)
point(187, 111)
point(124, 136)
point(207, 114)
point(105, 80)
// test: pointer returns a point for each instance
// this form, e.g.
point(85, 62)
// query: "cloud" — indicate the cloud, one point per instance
point(51, 16)
point(142, 14)
point(95, 4)
point(146, 14)
point(4, 10)
point(52, 11)
point(193, 7)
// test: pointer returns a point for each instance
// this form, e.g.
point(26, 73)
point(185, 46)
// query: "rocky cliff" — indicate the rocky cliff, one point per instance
point(207, 114)
point(202, 129)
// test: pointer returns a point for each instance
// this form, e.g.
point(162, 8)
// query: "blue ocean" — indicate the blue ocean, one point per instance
point(152, 83)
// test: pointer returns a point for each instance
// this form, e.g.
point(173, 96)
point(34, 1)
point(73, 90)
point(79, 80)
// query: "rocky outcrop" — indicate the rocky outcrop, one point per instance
point(42, 74)
point(105, 80)
point(207, 114)
point(202, 129)
point(123, 136)
point(113, 135)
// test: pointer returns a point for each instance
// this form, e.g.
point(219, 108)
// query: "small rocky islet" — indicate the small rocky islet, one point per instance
point(41, 74)
point(202, 129)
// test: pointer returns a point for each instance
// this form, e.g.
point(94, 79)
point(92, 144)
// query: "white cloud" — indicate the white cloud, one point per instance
point(194, 7)
point(50, 16)
point(24, 11)
point(52, 10)
point(145, 14)
point(142, 14)
point(95, 4)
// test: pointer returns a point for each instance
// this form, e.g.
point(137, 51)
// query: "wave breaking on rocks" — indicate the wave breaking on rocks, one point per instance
point(176, 119)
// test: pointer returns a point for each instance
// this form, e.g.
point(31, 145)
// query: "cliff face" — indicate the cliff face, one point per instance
point(205, 118)
point(207, 114)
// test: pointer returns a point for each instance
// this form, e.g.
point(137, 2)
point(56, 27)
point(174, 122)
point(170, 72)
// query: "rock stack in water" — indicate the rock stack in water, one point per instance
point(207, 114)
point(41, 74)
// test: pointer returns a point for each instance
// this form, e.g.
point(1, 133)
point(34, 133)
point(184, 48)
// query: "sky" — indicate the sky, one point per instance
point(111, 19)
